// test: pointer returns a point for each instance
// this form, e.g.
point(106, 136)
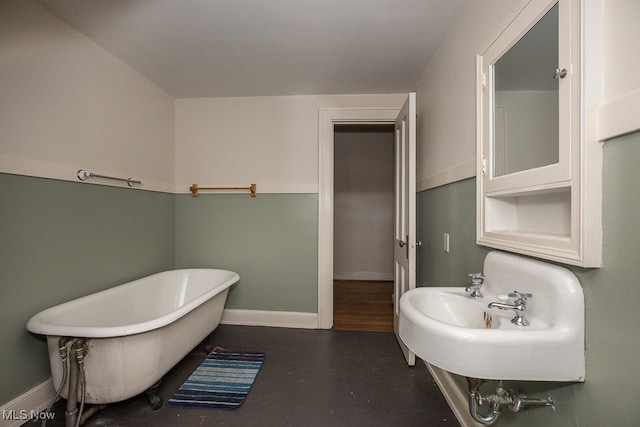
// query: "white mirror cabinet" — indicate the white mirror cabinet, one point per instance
point(538, 172)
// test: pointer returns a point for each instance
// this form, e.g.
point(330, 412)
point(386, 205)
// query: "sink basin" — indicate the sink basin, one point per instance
point(450, 330)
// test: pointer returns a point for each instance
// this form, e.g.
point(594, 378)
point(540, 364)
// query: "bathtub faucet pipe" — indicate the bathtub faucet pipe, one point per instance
point(81, 349)
point(76, 380)
point(63, 350)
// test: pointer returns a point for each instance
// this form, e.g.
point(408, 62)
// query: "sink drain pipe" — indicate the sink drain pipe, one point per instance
point(514, 400)
point(475, 400)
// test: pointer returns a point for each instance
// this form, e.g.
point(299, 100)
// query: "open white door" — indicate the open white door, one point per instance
point(405, 212)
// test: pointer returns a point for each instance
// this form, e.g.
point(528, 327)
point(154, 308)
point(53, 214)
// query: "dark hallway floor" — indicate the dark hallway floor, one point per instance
point(309, 378)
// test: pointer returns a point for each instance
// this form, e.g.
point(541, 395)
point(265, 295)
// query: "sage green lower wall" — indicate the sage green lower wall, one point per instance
point(60, 240)
point(448, 209)
point(609, 397)
point(270, 240)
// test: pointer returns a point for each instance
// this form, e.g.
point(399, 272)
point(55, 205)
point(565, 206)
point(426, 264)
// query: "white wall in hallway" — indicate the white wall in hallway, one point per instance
point(363, 204)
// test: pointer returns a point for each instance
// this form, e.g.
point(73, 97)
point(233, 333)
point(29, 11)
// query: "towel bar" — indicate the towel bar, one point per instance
point(195, 189)
point(83, 175)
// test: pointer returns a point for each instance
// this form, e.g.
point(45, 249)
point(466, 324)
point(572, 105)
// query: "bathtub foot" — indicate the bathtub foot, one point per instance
point(90, 412)
point(208, 347)
point(155, 401)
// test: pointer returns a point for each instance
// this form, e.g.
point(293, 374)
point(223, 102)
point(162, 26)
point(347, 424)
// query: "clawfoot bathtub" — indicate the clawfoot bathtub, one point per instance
point(135, 332)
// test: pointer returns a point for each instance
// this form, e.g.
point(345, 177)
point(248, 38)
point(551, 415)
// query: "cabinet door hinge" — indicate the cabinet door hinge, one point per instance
point(484, 81)
point(484, 166)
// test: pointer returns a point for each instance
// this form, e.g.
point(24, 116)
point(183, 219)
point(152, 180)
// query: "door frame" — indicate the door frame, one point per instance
point(327, 119)
point(405, 232)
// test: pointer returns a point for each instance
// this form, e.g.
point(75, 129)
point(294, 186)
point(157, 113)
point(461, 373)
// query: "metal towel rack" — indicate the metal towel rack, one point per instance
point(83, 175)
point(195, 188)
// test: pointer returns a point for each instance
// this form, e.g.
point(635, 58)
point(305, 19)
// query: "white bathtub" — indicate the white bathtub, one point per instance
point(137, 331)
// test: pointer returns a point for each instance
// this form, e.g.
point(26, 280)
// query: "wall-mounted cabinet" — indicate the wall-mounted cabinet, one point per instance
point(538, 177)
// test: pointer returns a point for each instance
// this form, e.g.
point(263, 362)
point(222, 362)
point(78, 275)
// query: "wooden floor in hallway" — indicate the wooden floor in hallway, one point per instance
point(363, 305)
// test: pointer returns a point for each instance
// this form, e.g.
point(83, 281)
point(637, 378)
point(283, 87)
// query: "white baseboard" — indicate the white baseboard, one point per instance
point(282, 319)
point(29, 405)
point(364, 275)
point(455, 396)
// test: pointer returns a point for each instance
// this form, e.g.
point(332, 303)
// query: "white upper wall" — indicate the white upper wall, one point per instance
point(620, 102)
point(67, 104)
point(269, 141)
point(446, 96)
point(620, 48)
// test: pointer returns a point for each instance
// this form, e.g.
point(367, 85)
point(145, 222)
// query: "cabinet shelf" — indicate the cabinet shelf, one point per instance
point(537, 213)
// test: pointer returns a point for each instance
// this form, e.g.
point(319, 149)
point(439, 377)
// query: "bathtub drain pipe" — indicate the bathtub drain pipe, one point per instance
point(76, 383)
point(514, 401)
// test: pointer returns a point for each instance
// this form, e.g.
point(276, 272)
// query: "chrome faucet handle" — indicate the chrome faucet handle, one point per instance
point(477, 279)
point(521, 297)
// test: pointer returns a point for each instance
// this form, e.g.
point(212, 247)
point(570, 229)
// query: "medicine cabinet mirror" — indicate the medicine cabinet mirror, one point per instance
point(525, 96)
point(533, 197)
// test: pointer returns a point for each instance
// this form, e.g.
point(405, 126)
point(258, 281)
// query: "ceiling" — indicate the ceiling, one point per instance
point(212, 48)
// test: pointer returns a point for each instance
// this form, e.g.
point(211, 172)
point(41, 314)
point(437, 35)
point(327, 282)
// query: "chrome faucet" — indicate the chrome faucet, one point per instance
point(476, 283)
point(519, 306)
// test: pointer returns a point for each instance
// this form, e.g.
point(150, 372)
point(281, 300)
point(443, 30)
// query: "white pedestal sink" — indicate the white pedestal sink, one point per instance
point(448, 329)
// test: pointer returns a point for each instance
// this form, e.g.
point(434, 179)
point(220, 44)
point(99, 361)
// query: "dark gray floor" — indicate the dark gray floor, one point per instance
point(309, 378)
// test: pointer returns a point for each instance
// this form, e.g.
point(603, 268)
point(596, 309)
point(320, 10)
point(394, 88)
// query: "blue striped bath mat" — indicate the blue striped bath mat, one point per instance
point(222, 381)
